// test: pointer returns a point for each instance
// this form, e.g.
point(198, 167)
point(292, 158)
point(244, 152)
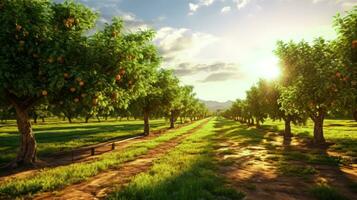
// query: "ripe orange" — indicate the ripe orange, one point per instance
point(66, 75)
point(338, 74)
point(72, 89)
point(76, 100)
point(44, 93)
point(81, 83)
point(18, 27)
point(118, 77)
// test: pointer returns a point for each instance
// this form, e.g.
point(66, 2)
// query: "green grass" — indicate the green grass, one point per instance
point(56, 135)
point(325, 192)
point(186, 172)
point(59, 177)
point(341, 132)
point(289, 169)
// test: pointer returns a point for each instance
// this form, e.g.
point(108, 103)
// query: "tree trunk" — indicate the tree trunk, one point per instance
point(355, 115)
point(27, 152)
point(87, 119)
point(43, 119)
point(287, 132)
point(257, 124)
point(69, 120)
point(146, 123)
point(172, 120)
point(318, 129)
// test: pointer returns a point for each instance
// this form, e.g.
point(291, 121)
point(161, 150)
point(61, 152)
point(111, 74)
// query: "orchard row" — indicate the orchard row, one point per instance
point(54, 58)
point(319, 79)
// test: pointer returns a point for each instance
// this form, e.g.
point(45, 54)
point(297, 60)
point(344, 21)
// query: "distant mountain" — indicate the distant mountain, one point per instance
point(213, 106)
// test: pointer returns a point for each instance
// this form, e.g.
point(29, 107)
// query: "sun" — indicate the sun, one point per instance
point(270, 69)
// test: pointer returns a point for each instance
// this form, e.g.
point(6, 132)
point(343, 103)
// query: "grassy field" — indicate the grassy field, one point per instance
point(261, 164)
point(187, 172)
point(53, 178)
point(56, 135)
point(341, 132)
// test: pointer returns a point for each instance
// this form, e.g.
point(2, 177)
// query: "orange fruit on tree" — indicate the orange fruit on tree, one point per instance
point(44, 93)
point(76, 100)
point(18, 27)
point(66, 75)
point(81, 83)
point(118, 77)
point(72, 89)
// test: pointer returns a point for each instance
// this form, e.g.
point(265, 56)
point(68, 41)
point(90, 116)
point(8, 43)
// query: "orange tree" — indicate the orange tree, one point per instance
point(46, 52)
point(317, 81)
point(346, 46)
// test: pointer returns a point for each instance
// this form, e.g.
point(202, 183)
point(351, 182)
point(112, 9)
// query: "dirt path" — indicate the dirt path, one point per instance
point(102, 184)
point(254, 169)
point(66, 158)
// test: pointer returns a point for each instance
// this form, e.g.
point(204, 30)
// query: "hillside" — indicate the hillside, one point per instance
point(216, 105)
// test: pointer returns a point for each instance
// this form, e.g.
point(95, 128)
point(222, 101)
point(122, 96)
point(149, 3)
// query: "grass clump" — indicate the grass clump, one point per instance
point(295, 170)
point(326, 192)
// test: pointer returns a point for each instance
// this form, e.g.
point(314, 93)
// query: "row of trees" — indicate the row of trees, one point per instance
point(51, 58)
point(318, 79)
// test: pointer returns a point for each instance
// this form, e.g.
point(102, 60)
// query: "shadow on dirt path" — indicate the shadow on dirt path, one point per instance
point(258, 163)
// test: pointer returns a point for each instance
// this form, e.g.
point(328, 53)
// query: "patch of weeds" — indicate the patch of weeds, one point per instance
point(326, 192)
point(296, 170)
point(325, 160)
point(295, 155)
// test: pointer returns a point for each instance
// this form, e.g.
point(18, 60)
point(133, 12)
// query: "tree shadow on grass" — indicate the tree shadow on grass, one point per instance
point(54, 139)
point(279, 171)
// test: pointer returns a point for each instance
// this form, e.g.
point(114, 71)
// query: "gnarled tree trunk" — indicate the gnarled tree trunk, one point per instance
point(27, 152)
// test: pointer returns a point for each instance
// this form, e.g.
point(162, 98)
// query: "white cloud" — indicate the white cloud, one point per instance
point(226, 9)
point(178, 44)
point(241, 3)
point(195, 6)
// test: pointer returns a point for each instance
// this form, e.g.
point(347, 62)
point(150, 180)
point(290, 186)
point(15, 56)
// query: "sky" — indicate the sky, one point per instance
point(223, 47)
